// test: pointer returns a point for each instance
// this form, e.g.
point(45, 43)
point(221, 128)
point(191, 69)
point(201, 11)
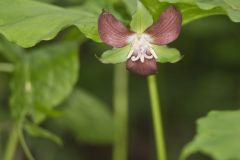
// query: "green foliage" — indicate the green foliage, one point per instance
point(34, 21)
point(37, 131)
point(229, 7)
point(232, 7)
point(141, 19)
point(115, 55)
point(217, 136)
point(87, 117)
point(166, 54)
point(43, 78)
point(190, 11)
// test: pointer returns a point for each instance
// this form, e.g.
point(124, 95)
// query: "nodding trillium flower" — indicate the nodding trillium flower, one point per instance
point(142, 55)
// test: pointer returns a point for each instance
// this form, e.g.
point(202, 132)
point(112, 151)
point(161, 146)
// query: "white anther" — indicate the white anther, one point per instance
point(135, 58)
point(148, 56)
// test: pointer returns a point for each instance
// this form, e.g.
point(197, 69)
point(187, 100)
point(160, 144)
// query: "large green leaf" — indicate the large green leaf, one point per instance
point(229, 7)
point(232, 7)
point(43, 78)
point(88, 118)
point(141, 19)
point(190, 11)
point(217, 136)
point(27, 22)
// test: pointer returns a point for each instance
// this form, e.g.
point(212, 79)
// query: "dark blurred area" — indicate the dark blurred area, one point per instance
point(207, 78)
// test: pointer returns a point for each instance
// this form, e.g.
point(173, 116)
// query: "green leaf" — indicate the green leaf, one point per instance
point(212, 7)
point(234, 4)
point(166, 54)
point(88, 118)
point(217, 136)
point(190, 11)
point(43, 78)
point(193, 12)
point(141, 20)
point(229, 7)
point(37, 131)
point(34, 21)
point(232, 7)
point(115, 55)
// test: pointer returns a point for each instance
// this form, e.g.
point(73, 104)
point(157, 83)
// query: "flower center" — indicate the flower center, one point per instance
point(141, 48)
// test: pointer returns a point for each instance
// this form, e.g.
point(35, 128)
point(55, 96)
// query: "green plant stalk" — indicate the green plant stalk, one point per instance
point(120, 145)
point(21, 121)
point(11, 144)
point(24, 145)
point(157, 119)
point(22, 139)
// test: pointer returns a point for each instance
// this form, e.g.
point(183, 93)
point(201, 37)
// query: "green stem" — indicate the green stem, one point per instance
point(120, 113)
point(157, 119)
point(22, 139)
point(6, 67)
point(24, 146)
point(11, 144)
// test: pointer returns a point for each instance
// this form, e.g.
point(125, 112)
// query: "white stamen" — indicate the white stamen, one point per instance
point(142, 58)
point(130, 53)
point(153, 53)
point(141, 48)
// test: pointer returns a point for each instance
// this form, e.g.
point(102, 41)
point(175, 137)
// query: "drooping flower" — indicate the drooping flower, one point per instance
point(142, 58)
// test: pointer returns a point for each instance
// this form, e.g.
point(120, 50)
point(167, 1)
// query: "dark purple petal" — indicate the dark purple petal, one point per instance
point(167, 28)
point(149, 66)
point(112, 31)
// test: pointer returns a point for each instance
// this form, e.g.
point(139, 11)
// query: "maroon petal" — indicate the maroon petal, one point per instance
point(112, 31)
point(149, 66)
point(167, 28)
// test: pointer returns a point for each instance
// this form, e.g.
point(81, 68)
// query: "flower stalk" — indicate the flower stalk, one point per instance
point(120, 145)
point(157, 118)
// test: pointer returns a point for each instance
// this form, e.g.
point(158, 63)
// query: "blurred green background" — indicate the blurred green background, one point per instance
point(207, 78)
